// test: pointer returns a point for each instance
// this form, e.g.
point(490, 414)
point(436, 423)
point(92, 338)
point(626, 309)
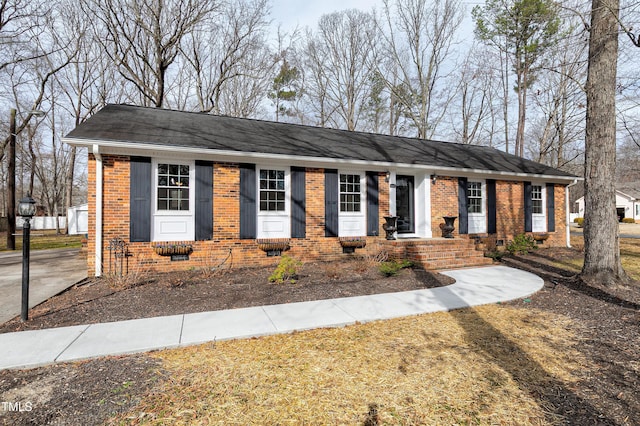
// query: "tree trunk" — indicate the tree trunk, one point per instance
point(602, 247)
point(68, 184)
point(11, 185)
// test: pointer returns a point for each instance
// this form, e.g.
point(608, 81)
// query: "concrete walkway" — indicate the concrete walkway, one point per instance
point(473, 286)
point(50, 272)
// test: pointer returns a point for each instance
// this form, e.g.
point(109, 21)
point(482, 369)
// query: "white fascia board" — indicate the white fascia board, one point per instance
point(141, 149)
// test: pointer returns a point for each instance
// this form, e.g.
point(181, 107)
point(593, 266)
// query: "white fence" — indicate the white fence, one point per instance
point(43, 222)
point(78, 222)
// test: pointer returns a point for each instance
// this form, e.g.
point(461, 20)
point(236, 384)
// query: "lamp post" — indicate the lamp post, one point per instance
point(11, 171)
point(26, 209)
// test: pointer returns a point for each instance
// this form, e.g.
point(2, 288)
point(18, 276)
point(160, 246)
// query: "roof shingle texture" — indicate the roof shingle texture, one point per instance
point(153, 126)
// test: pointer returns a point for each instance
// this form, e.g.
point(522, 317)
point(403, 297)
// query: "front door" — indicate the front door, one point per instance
point(405, 204)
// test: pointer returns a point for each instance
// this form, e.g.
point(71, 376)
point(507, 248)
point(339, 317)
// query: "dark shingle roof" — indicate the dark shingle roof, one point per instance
point(160, 127)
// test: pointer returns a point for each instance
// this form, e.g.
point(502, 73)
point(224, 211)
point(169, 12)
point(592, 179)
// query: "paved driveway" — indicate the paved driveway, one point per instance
point(51, 272)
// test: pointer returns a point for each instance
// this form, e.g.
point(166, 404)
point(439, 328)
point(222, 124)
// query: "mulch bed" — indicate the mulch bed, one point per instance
point(607, 321)
point(105, 300)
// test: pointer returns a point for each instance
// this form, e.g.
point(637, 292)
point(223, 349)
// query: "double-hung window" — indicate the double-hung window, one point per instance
point(174, 200)
point(273, 204)
point(173, 187)
point(350, 193)
point(474, 195)
point(272, 190)
point(536, 199)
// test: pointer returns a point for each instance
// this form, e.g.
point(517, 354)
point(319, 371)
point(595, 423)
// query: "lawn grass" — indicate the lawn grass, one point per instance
point(629, 252)
point(41, 240)
point(488, 365)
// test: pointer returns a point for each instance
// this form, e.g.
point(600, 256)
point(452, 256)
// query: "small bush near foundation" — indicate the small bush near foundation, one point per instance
point(392, 267)
point(628, 220)
point(496, 255)
point(521, 244)
point(287, 270)
point(579, 221)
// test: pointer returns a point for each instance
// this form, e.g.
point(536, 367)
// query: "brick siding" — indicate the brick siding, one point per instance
point(227, 248)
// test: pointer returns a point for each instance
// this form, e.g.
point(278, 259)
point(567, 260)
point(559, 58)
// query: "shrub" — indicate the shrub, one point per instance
point(521, 244)
point(392, 267)
point(579, 221)
point(628, 220)
point(287, 270)
point(495, 255)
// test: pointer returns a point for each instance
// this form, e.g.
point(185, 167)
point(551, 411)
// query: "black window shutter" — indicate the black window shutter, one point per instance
point(248, 214)
point(551, 208)
point(463, 219)
point(373, 217)
point(331, 188)
point(140, 188)
point(204, 200)
point(298, 203)
point(491, 207)
point(528, 208)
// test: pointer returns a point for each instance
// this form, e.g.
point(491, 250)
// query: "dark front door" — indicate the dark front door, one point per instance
point(405, 202)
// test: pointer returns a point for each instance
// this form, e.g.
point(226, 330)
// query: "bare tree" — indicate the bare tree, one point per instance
point(340, 56)
point(476, 91)
point(560, 100)
point(418, 37)
point(31, 60)
point(234, 47)
point(143, 38)
point(78, 83)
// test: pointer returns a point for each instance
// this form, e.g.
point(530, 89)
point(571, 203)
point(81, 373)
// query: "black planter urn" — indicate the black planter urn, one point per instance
point(448, 227)
point(390, 226)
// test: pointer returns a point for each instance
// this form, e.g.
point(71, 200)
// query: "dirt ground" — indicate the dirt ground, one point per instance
point(607, 321)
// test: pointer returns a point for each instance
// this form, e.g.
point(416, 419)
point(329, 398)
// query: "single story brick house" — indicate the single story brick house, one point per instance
point(183, 190)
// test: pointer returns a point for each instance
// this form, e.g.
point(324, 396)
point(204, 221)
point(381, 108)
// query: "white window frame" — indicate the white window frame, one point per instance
point(185, 217)
point(274, 223)
point(362, 193)
point(539, 220)
point(353, 224)
point(482, 197)
point(477, 221)
point(287, 179)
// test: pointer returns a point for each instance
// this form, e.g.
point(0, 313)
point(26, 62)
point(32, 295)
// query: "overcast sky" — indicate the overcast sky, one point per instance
point(307, 12)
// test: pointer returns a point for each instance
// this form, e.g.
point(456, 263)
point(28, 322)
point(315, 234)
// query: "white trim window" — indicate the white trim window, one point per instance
point(476, 207)
point(352, 216)
point(172, 187)
point(274, 200)
point(536, 200)
point(173, 200)
point(272, 190)
point(351, 193)
point(538, 208)
point(475, 197)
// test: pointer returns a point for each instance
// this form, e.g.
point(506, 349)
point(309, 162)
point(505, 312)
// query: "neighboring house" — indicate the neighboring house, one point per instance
point(627, 202)
point(204, 188)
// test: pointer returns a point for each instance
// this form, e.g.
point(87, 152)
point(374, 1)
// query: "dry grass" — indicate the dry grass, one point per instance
point(44, 240)
point(490, 365)
point(629, 252)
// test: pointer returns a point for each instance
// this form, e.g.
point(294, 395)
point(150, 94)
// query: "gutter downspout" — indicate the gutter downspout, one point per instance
point(99, 179)
point(568, 211)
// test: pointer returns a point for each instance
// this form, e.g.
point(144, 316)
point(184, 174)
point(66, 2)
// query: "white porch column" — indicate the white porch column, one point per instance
point(98, 236)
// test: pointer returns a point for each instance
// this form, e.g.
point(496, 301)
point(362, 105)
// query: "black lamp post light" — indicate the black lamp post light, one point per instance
point(26, 209)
